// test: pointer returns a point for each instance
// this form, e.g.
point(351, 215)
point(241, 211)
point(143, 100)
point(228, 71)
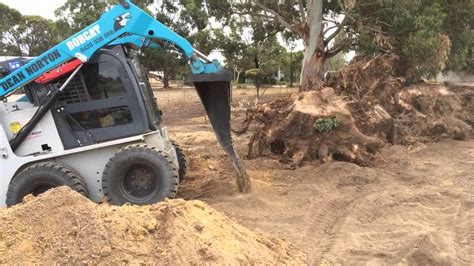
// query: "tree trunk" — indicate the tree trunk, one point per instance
point(166, 78)
point(236, 77)
point(291, 69)
point(312, 67)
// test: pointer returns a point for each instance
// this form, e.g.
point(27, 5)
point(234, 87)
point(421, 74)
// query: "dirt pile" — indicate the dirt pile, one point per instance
point(63, 227)
point(359, 110)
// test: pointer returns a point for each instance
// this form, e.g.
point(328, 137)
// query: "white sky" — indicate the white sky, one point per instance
point(44, 8)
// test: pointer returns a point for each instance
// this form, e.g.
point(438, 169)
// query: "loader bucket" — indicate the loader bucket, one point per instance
point(215, 93)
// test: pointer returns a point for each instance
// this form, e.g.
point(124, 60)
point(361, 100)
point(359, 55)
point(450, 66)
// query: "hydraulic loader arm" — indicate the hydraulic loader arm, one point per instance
point(124, 23)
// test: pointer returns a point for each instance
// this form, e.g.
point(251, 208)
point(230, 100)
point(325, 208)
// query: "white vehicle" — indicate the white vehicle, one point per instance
point(89, 119)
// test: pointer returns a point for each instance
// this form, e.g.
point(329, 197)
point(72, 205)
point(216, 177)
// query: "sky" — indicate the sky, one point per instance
point(44, 8)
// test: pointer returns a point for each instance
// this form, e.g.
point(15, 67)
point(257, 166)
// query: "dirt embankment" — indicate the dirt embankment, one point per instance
point(60, 226)
point(357, 111)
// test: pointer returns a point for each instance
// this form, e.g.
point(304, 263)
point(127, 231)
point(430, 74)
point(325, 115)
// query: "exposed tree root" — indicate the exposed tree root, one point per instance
point(362, 108)
point(288, 128)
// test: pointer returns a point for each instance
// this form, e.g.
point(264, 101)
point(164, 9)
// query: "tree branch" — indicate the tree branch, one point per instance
point(333, 52)
point(336, 32)
point(276, 15)
point(338, 48)
point(330, 20)
point(374, 30)
point(302, 12)
point(263, 39)
point(346, 13)
point(330, 28)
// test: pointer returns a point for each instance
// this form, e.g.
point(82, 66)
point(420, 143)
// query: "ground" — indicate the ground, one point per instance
point(416, 207)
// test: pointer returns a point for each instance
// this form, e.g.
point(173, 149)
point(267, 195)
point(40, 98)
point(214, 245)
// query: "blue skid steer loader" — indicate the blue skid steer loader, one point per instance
point(89, 119)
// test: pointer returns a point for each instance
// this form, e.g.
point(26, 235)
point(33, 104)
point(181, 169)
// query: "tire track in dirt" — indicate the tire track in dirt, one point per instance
point(422, 220)
point(331, 218)
point(466, 237)
point(418, 208)
point(353, 184)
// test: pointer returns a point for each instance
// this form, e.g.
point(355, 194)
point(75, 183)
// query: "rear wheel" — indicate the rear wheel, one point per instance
point(181, 160)
point(40, 177)
point(139, 174)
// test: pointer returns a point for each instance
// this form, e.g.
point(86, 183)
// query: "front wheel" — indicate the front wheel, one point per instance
point(39, 177)
point(139, 174)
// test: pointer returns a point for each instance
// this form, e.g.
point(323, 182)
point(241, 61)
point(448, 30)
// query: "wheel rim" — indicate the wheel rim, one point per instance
point(139, 184)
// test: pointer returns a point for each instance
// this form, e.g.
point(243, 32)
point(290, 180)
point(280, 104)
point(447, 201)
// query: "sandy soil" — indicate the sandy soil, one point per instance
point(61, 226)
point(416, 208)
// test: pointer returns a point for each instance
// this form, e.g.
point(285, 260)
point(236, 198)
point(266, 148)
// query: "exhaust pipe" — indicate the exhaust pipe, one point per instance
point(214, 90)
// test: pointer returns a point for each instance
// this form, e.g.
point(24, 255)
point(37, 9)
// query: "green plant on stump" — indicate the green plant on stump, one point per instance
point(326, 124)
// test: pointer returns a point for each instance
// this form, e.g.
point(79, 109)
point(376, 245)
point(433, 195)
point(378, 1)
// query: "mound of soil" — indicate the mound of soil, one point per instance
point(359, 110)
point(61, 226)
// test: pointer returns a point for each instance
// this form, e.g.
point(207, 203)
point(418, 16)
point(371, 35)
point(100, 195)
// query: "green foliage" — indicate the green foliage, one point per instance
point(8, 17)
point(336, 62)
point(326, 124)
point(261, 50)
point(429, 35)
point(75, 15)
point(458, 26)
point(37, 35)
point(254, 73)
point(291, 62)
point(26, 35)
point(185, 17)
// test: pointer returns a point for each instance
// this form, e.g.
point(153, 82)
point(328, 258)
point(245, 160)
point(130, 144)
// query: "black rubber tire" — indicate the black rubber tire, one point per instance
point(42, 176)
point(182, 160)
point(116, 180)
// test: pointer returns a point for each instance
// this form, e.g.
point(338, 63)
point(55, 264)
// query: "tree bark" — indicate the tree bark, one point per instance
point(166, 78)
point(312, 67)
point(236, 77)
point(291, 69)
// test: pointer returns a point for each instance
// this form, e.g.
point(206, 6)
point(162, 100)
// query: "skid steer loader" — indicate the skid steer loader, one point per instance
point(89, 119)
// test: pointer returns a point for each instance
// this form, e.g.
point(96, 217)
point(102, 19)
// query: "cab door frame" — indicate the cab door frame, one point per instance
point(131, 99)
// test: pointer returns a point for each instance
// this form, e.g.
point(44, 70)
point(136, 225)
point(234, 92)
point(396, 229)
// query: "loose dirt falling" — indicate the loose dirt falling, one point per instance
point(61, 226)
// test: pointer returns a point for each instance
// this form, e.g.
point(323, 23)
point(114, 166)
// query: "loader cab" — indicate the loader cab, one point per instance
point(110, 98)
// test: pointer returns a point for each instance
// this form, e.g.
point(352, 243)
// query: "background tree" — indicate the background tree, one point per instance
point(26, 35)
point(458, 25)
point(301, 18)
point(36, 35)
point(188, 19)
point(75, 15)
point(290, 64)
point(429, 35)
point(9, 20)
